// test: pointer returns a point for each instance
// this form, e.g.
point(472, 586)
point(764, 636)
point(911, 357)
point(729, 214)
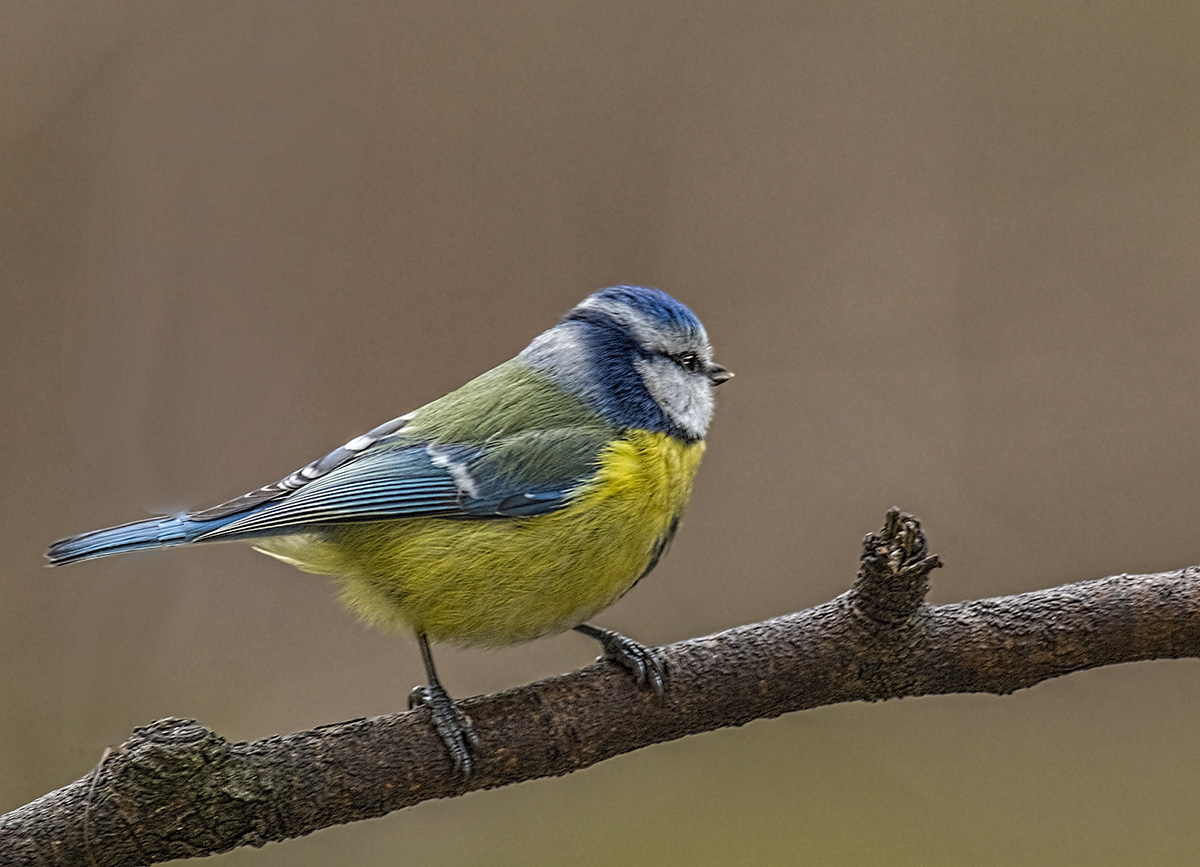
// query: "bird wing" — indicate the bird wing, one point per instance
point(520, 475)
point(305, 475)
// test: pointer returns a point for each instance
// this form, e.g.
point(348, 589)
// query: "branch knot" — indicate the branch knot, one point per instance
point(893, 575)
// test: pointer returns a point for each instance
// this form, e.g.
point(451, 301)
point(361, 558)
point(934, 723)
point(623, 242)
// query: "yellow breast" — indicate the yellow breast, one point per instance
point(496, 582)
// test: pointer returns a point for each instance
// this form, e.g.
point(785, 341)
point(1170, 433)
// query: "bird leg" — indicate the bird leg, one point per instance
point(452, 725)
point(640, 660)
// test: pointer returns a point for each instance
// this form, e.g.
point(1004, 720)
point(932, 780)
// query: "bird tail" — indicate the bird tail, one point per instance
point(164, 532)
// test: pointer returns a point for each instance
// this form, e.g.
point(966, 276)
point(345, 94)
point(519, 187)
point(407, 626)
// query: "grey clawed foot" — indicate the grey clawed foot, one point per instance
point(452, 725)
point(642, 661)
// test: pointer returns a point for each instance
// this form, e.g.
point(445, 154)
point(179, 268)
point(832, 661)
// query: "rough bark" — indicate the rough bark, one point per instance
point(177, 790)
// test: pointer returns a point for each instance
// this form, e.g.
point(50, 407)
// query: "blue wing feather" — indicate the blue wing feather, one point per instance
point(416, 480)
point(526, 504)
point(306, 474)
point(388, 483)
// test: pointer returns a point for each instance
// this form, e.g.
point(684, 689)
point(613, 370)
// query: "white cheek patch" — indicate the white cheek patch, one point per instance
point(685, 398)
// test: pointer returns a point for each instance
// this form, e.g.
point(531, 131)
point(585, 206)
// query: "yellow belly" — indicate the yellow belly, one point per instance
point(504, 581)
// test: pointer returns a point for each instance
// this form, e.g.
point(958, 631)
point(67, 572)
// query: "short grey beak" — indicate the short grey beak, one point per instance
point(716, 373)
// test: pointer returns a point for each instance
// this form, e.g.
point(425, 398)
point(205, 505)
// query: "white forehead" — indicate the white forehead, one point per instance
point(647, 330)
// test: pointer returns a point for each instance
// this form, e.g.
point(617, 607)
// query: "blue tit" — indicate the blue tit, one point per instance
point(517, 506)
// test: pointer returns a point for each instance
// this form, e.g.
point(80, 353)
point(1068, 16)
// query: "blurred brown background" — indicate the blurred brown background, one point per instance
point(950, 250)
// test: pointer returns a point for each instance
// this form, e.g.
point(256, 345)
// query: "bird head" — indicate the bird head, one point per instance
point(637, 357)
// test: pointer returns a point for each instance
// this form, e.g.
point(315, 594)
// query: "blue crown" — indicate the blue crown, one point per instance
point(653, 307)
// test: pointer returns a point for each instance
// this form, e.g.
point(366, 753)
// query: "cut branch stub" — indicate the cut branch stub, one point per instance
point(893, 577)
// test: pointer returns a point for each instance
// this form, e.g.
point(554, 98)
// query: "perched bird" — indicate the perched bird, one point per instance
point(517, 506)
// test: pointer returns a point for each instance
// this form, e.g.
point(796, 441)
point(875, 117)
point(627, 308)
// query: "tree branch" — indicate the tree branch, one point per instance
point(177, 790)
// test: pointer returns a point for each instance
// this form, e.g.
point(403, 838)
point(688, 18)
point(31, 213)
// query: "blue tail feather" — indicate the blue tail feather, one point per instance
point(164, 532)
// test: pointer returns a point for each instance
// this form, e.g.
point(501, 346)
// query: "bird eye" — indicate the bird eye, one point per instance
point(690, 362)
